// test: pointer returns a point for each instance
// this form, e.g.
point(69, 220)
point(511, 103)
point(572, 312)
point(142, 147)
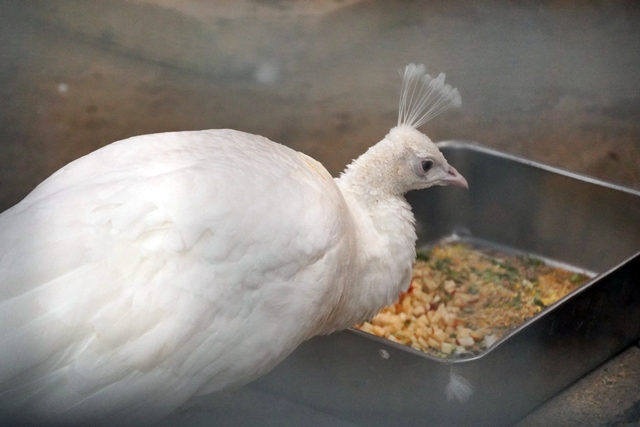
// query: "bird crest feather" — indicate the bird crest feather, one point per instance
point(423, 97)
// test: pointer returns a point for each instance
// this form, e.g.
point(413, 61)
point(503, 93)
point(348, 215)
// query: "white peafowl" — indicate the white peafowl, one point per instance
point(172, 265)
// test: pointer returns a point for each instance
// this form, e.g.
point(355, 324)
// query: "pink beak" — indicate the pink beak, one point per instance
point(455, 178)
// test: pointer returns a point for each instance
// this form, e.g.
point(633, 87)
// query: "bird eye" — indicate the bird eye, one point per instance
point(426, 165)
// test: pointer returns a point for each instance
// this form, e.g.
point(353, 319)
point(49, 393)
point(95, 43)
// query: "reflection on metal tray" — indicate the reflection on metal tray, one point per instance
point(514, 204)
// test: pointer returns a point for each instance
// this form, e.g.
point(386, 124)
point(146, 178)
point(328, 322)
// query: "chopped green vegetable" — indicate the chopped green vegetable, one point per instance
point(576, 278)
point(442, 263)
point(517, 300)
point(530, 261)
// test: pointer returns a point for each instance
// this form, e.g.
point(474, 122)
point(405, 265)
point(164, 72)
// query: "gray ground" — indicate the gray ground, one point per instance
point(555, 81)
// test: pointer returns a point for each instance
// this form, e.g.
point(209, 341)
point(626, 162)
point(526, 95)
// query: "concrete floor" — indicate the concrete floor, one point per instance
point(554, 81)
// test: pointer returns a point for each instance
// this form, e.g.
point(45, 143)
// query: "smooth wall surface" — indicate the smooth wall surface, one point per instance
point(556, 81)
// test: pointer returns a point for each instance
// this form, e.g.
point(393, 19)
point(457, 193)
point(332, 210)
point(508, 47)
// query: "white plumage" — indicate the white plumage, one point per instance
point(166, 266)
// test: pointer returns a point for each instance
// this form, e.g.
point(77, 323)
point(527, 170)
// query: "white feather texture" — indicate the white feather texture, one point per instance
point(171, 265)
point(458, 388)
point(145, 273)
point(422, 97)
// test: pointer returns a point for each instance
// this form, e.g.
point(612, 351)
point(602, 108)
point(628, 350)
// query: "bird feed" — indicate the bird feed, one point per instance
point(461, 299)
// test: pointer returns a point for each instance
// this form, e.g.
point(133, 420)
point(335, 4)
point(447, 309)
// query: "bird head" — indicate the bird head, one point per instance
point(420, 164)
point(406, 159)
point(422, 98)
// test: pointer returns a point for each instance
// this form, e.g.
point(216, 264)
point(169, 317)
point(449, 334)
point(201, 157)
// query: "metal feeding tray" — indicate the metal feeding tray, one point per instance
point(517, 205)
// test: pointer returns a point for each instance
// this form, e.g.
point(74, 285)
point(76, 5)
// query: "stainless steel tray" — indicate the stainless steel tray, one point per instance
point(517, 205)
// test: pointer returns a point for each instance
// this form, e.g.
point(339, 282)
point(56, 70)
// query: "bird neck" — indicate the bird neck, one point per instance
point(385, 238)
point(370, 177)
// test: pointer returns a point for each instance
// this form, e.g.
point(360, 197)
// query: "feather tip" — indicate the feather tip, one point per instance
point(458, 388)
point(423, 97)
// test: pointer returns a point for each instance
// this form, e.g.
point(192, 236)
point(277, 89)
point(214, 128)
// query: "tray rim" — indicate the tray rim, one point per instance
point(476, 146)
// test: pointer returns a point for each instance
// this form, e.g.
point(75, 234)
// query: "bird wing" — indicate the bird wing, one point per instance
point(162, 266)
